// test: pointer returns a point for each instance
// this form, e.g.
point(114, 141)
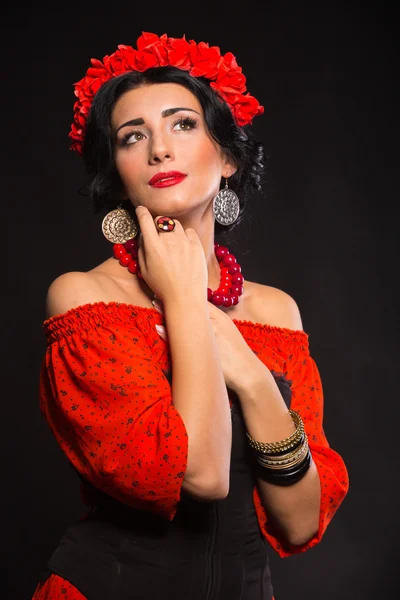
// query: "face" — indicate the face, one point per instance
point(166, 159)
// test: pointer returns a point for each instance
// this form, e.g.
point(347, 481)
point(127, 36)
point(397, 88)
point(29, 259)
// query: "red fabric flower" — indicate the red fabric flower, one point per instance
point(150, 43)
point(230, 79)
point(246, 108)
point(179, 53)
point(201, 60)
point(205, 60)
point(128, 58)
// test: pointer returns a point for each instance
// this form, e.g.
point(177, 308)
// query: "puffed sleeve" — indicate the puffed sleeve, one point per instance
point(109, 406)
point(307, 398)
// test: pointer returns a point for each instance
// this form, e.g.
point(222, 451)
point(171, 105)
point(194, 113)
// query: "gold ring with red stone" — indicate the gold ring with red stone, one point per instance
point(165, 224)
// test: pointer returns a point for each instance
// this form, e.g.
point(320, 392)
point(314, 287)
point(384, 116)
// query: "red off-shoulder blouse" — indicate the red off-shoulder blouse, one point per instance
point(105, 395)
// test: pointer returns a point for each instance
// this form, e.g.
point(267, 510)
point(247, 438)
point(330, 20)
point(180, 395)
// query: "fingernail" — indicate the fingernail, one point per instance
point(161, 331)
point(157, 306)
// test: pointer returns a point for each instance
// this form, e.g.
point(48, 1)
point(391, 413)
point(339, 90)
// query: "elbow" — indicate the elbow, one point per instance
point(208, 488)
point(301, 538)
point(300, 534)
point(211, 494)
point(218, 491)
point(296, 531)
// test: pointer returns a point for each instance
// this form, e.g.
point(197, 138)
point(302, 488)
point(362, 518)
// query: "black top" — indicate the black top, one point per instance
point(209, 551)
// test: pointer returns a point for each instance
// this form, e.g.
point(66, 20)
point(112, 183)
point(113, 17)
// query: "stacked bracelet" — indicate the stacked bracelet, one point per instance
point(287, 461)
point(286, 444)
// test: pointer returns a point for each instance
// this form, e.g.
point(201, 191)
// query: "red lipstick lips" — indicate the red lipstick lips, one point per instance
point(160, 180)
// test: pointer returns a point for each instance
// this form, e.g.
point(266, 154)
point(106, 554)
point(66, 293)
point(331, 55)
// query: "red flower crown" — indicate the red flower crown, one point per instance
point(227, 79)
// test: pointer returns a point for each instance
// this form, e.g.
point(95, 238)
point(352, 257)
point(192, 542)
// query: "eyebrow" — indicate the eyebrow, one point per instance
point(165, 113)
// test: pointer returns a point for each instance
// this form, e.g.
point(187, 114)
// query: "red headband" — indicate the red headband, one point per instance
point(199, 60)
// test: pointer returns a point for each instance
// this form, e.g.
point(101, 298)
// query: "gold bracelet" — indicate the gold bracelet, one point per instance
point(274, 459)
point(285, 450)
point(284, 465)
point(287, 443)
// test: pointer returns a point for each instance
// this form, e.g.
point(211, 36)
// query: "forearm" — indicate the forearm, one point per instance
point(293, 510)
point(199, 394)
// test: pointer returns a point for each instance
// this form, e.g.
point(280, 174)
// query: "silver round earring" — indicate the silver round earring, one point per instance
point(118, 226)
point(226, 206)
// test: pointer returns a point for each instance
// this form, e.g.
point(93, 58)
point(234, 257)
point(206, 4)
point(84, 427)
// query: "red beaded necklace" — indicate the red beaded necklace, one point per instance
point(231, 283)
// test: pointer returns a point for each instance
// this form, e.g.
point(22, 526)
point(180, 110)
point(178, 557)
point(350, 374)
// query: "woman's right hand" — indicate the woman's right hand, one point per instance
point(172, 263)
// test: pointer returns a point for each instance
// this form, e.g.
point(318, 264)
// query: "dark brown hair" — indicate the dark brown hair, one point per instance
point(104, 185)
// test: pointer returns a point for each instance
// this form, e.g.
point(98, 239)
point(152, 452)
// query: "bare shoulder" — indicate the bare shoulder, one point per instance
point(70, 290)
point(272, 306)
point(104, 283)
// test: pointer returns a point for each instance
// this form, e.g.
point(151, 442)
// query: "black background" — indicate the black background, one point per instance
point(325, 231)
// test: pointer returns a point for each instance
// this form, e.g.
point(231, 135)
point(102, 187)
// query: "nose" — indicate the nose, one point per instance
point(160, 149)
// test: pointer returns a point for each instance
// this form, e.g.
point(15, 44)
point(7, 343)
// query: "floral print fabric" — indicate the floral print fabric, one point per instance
point(56, 588)
point(105, 394)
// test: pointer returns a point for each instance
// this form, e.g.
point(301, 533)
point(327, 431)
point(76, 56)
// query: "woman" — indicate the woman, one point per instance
point(184, 396)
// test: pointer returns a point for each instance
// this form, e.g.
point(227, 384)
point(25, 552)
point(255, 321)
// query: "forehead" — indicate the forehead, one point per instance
point(150, 100)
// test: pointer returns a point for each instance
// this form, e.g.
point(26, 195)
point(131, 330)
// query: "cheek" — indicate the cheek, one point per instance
point(127, 169)
point(207, 157)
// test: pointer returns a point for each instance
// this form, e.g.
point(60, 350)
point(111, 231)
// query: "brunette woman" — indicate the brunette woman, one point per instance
point(184, 395)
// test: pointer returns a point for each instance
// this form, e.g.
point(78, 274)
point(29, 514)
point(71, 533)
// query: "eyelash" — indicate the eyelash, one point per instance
point(182, 121)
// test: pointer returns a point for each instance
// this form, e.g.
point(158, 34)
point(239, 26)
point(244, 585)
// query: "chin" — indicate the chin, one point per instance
point(170, 207)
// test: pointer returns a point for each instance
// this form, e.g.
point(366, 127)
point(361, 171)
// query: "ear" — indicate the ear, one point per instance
point(228, 167)
point(123, 196)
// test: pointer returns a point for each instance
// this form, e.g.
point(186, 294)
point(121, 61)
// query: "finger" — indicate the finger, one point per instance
point(159, 226)
point(158, 305)
point(146, 224)
point(140, 248)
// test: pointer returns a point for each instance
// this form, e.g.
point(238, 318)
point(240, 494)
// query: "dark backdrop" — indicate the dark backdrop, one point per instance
point(325, 231)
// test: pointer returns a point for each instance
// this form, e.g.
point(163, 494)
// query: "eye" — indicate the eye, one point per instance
point(132, 138)
point(185, 124)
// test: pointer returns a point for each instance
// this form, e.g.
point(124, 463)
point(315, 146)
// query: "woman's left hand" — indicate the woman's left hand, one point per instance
point(237, 358)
